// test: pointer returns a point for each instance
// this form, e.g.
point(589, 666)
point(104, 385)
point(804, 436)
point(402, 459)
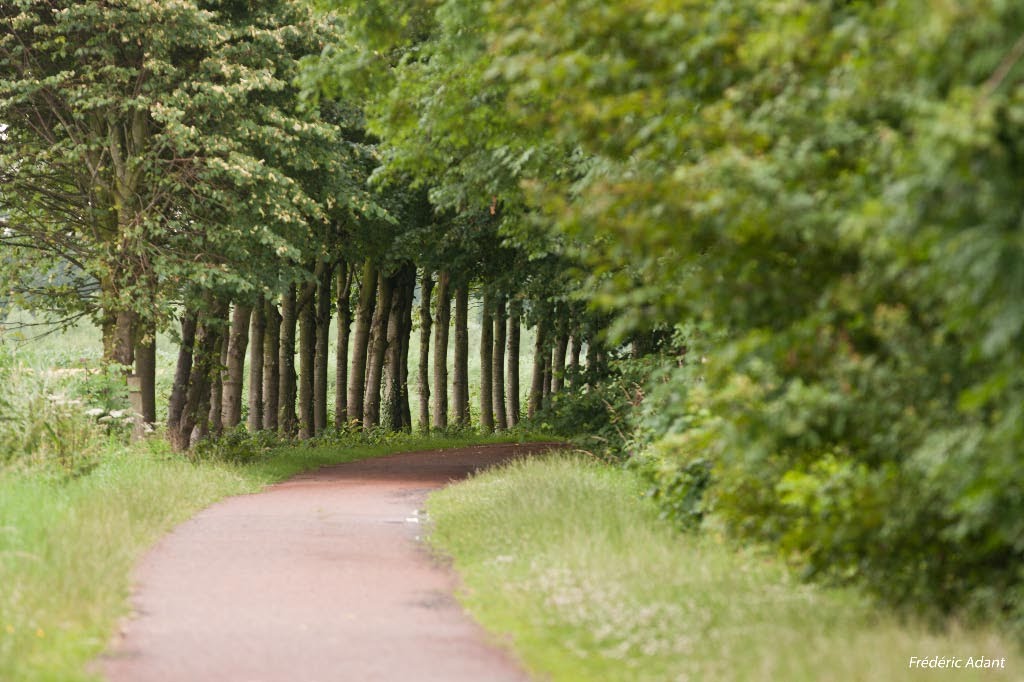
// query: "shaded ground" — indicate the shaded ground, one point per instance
point(320, 578)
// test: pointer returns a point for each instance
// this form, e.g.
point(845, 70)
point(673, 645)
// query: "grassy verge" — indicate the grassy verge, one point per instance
point(566, 559)
point(67, 547)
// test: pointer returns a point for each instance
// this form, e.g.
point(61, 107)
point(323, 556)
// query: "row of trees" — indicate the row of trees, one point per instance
point(814, 207)
point(160, 169)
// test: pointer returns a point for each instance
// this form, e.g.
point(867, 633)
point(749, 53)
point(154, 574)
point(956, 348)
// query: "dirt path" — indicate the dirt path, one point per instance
point(318, 579)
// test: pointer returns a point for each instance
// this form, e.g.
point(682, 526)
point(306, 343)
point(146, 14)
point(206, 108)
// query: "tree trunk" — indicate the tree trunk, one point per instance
point(179, 389)
point(271, 367)
point(375, 363)
point(426, 289)
point(573, 366)
point(341, 351)
point(145, 370)
point(404, 363)
point(323, 336)
point(498, 366)
point(215, 421)
point(546, 388)
point(513, 363)
point(443, 314)
point(257, 336)
point(537, 383)
point(307, 349)
point(205, 365)
point(286, 419)
point(392, 412)
point(460, 373)
point(558, 361)
point(238, 342)
point(486, 365)
point(118, 330)
point(360, 342)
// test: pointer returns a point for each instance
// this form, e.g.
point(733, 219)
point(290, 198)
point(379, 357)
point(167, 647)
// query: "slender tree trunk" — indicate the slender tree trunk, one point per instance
point(307, 349)
point(271, 367)
point(546, 392)
point(205, 367)
point(341, 351)
point(145, 371)
point(513, 363)
point(323, 336)
point(360, 342)
point(392, 409)
point(537, 383)
point(426, 289)
point(558, 361)
point(286, 419)
point(179, 389)
point(498, 366)
point(573, 366)
point(238, 341)
point(215, 422)
point(375, 363)
point(443, 314)
point(460, 373)
point(404, 363)
point(257, 336)
point(486, 365)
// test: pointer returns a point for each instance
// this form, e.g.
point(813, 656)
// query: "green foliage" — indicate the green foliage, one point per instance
point(828, 192)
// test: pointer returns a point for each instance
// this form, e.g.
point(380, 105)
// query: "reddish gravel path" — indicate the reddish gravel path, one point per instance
point(318, 579)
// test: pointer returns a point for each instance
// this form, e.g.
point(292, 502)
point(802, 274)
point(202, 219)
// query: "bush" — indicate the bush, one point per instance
point(42, 428)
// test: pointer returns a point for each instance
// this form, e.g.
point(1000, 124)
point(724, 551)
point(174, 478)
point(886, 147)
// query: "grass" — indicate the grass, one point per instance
point(67, 548)
point(565, 559)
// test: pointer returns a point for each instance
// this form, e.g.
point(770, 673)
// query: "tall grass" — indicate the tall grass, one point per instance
point(67, 547)
point(569, 560)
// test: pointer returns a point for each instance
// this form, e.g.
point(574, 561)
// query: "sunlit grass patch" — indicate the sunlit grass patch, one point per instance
point(569, 560)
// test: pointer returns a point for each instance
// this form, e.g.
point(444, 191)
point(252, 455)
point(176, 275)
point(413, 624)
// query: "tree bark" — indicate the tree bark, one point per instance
point(426, 289)
point(257, 337)
point(513, 363)
point(558, 359)
point(323, 335)
point(546, 388)
point(286, 419)
point(271, 366)
point(307, 349)
point(486, 365)
point(404, 351)
point(392, 410)
point(375, 363)
point(537, 383)
point(460, 373)
point(344, 284)
point(145, 370)
point(205, 365)
point(215, 422)
point(498, 366)
point(573, 365)
point(238, 342)
point(360, 342)
point(179, 389)
point(443, 315)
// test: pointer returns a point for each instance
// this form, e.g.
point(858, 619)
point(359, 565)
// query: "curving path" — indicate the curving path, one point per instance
point(317, 579)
